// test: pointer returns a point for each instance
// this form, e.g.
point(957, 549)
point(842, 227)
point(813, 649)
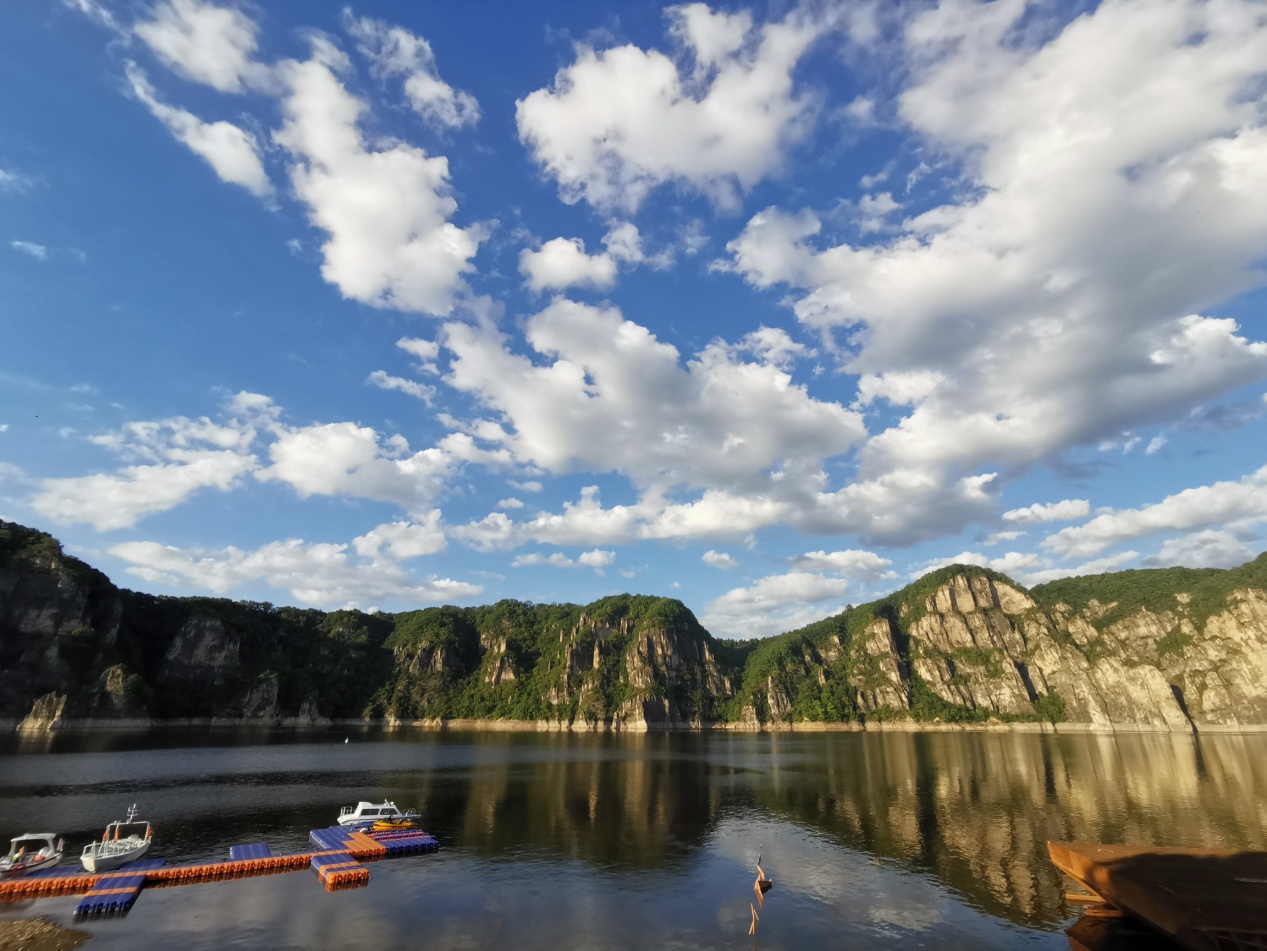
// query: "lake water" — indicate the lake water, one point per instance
point(558, 841)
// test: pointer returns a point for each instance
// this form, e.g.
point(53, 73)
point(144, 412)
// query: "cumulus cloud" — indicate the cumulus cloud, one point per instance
point(1209, 548)
point(394, 51)
point(204, 42)
point(1062, 511)
point(232, 152)
point(319, 574)
point(403, 540)
point(773, 604)
point(386, 210)
point(1111, 187)
point(619, 122)
point(862, 565)
point(597, 559)
point(351, 460)
point(119, 499)
point(1217, 506)
point(562, 262)
point(613, 397)
point(719, 559)
point(177, 457)
point(385, 381)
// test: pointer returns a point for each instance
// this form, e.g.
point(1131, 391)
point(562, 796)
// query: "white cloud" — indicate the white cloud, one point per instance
point(773, 345)
point(719, 559)
point(596, 559)
point(1014, 563)
point(1112, 186)
point(352, 460)
point(874, 210)
point(613, 397)
point(997, 537)
point(562, 262)
point(861, 565)
point(1210, 548)
point(386, 210)
point(179, 456)
point(424, 351)
point(206, 43)
point(403, 540)
point(95, 11)
point(318, 574)
point(1062, 511)
point(232, 152)
point(394, 51)
point(619, 122)
point(1094, 567)
point(386, 381)
point(119, 499)
point(1155, 445)
point(773, 604)
point(11, 180)
point(510, 504)
point(1215, 506)
point(37, 251)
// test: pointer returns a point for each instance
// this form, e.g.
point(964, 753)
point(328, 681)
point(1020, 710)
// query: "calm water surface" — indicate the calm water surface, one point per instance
point(559, 841)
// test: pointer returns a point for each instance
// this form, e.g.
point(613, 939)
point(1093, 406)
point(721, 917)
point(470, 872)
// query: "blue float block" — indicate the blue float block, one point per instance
point(112, 894)
point(399, 843)
point(329, 839)
point(254, 850)
point(142, 865)
point(53, 871)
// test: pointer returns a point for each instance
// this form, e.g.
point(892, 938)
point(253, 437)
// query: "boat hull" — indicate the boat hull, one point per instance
point(22, 868)
point(109, 861)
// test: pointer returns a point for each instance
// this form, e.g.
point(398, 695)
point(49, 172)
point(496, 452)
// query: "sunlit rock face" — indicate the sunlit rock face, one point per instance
point(968, 646)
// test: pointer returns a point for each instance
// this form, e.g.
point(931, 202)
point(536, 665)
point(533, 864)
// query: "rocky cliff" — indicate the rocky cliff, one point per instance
point(1168, 650)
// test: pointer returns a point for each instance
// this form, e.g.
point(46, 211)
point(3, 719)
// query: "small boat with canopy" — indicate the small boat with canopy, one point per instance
point(368, 813)
point(31, 852)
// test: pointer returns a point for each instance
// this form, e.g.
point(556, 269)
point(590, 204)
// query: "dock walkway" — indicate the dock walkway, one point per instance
point(337, 864)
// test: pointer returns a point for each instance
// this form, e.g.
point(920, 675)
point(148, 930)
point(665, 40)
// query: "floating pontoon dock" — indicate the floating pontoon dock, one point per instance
point(1203, 899)
point(337, 864)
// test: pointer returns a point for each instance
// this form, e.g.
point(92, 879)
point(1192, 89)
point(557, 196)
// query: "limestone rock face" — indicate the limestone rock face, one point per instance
point(260, 703)
point(59, 625)
point(986, 649)
point(203, 650)
point(46, 714)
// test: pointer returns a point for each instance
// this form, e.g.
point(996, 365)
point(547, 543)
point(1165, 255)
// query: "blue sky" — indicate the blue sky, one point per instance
point(767, 308)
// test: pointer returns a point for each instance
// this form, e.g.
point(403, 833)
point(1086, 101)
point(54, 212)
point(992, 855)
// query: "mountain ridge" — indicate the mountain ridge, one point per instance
point(1156, 649)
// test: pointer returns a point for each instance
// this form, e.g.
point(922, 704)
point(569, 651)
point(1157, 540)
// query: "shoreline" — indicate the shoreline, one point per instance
point(92, 725)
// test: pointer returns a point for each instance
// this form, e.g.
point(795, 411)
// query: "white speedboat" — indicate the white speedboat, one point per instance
point(31, 852)
point(125, 840)
point(367, 812)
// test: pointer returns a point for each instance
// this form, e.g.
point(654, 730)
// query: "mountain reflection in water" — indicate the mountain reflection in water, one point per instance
point(558, 840)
